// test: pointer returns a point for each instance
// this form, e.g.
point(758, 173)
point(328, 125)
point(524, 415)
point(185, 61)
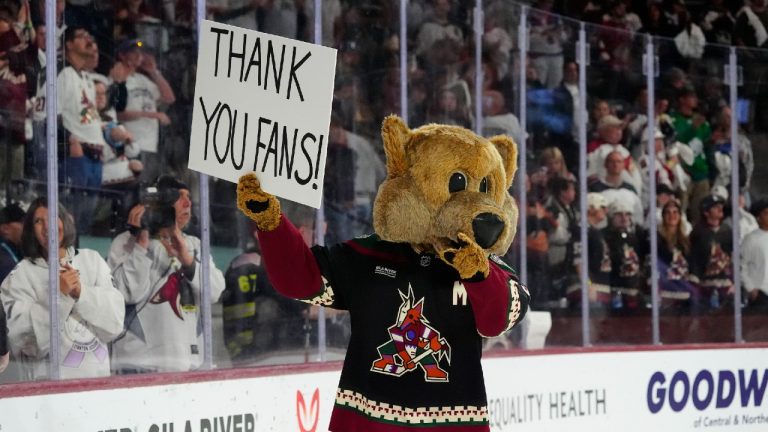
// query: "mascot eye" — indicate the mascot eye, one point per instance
point(457, 183)
point(484, 185)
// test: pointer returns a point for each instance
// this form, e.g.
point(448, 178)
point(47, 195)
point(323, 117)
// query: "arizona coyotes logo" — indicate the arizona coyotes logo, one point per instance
point(630, 262)
point(678, 268)
point(172, 292)
point(413, 342)
point(308, 420)
point(719, 261)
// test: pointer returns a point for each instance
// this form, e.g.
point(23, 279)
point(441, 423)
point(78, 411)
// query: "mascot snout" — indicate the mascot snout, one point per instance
point(487, 228)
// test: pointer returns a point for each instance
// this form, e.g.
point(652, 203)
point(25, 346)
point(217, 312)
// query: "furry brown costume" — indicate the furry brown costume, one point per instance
point(446, 195)
point(416, 203)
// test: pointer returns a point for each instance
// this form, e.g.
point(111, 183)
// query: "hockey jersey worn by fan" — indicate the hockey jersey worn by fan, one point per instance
point(416, 328)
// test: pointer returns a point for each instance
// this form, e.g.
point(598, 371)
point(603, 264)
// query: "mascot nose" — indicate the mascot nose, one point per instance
point(487, 228)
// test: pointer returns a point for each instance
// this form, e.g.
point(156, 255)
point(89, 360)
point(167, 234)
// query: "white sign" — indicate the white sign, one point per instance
point(724, 390)
point(262, 103)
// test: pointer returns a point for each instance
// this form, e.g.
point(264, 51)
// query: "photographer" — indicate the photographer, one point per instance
point(155, 266)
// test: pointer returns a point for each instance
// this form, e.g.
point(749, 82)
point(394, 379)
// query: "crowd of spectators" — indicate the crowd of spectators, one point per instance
point(126, 74)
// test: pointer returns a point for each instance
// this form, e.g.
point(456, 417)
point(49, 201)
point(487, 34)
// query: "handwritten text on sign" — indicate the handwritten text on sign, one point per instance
point(263, 104)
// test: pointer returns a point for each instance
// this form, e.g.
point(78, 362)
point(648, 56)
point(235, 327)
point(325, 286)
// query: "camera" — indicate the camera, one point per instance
point(158, 214)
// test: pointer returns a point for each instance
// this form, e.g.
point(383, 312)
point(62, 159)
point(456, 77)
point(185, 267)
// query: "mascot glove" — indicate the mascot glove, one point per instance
point(261, 207)
point(469, 259)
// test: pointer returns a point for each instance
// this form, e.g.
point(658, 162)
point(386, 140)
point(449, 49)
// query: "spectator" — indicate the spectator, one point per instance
point(257, 319)
point(615, 46)
point(90, 308)
point(747, 220)
point(450, 107)
point(497, 119)
point(13, 62)
point(439, 27)
point(564, 241)
point(665, 194)
point(717, 23)
point(80, 132)
point(663, 174)
point(690, 41)
point(146, 87)
point(546, 38)
point(540, 224)
point(551, 165)
point(569, 88)
point(750, 30)
point(627, 248)
point(600, 109)
point(599, 259)
point(36, 144)
point(711, 248)
point(677, 291)
point(610, 131)
point(754, 261)
point(161, 282)
point(11, 224)
point(656, 21)
point(720, 157)
point(614, 186)
point(117, 167)
point(693, 129)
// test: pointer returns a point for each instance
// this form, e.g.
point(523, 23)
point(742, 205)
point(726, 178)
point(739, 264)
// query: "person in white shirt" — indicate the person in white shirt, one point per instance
point(754, 260)
point(80, 133)
point(91, 310)
point(146, 87)
point(157, 269)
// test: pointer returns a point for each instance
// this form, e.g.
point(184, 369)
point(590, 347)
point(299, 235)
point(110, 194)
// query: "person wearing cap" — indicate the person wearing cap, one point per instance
point(711, 249)
point(610, 133)
point(146, 87)
point(599, 260)
point(693, 130)
point(80, 129)
point(754, 260)
point(11, 225)
point(627, 248)
point(157, 268)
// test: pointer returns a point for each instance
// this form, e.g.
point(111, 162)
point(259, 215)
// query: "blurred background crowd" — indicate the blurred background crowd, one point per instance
point(126, 77)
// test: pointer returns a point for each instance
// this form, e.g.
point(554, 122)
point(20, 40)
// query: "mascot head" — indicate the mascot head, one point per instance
point(443, 181)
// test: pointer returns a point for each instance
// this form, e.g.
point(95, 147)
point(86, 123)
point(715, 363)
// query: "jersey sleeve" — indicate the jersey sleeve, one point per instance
point(499, 301)
point(299, 272)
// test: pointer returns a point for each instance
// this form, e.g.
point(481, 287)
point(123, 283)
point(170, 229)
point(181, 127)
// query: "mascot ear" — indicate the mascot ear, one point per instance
point(395, 133)
point(508, 151)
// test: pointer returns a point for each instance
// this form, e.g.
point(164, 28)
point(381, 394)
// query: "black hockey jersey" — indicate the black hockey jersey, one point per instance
point(414, 354)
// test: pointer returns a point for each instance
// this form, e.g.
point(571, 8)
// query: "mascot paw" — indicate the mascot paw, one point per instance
point(467, 257)
point(261, 207)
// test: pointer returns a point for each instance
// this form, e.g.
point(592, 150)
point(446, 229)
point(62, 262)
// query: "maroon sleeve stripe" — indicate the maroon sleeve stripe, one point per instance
point(290, 264)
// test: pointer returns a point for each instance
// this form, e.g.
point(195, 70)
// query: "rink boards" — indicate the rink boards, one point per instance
point(636, 389)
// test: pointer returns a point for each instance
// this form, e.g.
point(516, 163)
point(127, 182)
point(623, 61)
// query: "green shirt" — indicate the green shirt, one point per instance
point(686, 132)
